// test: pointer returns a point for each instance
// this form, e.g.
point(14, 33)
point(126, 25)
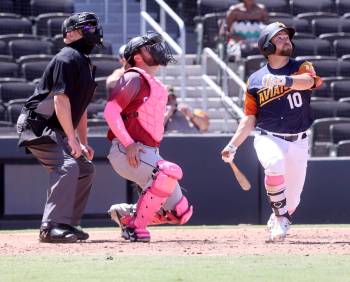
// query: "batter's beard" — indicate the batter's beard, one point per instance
point(287, 52)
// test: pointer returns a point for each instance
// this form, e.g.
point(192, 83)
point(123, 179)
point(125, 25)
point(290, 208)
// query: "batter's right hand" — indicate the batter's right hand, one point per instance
point(75, 147)
point(228, 153)
point(133, 154)
point(269, 80)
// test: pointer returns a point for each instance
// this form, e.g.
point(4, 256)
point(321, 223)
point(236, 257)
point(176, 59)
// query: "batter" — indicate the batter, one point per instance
point(277, 103)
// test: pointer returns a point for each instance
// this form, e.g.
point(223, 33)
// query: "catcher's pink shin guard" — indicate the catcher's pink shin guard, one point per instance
point(154, 197)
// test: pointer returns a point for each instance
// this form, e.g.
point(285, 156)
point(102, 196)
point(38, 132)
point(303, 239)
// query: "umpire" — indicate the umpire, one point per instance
point(53, 127)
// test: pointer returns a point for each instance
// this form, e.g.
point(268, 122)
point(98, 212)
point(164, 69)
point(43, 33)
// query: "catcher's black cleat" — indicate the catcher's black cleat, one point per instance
point(138, 235)
point(53, 233)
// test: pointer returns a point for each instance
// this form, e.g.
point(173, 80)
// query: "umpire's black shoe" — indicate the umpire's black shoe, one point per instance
point(53, 233)
point(79, 232)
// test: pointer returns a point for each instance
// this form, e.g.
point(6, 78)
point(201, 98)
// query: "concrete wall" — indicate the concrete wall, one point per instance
point(208, 182)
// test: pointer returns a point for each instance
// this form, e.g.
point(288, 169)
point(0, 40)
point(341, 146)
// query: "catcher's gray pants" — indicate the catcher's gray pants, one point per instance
point(142, 175)
point(69, 184)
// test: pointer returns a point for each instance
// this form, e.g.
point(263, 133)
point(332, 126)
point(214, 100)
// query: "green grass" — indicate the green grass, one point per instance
point(171, 268)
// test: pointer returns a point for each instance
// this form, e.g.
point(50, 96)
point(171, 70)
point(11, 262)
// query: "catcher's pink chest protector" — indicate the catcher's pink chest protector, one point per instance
point(151, 112)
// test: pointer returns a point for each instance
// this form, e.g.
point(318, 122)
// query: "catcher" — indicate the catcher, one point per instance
point(135, 114)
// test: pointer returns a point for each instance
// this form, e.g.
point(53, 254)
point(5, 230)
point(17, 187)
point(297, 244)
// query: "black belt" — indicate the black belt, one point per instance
point(290, 138)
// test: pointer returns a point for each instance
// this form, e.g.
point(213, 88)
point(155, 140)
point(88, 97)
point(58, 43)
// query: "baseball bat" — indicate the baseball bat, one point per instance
point(241, 178)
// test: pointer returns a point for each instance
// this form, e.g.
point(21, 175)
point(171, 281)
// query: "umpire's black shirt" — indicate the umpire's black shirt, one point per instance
point(69, 72)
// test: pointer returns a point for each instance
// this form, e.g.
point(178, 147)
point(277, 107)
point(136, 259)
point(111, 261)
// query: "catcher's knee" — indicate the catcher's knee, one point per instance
point(165, 177)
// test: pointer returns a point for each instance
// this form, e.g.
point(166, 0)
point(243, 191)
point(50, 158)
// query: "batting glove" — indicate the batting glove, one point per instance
point(228, 153)
point(270, 80)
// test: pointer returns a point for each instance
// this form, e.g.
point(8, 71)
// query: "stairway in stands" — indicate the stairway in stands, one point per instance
point(220, 120)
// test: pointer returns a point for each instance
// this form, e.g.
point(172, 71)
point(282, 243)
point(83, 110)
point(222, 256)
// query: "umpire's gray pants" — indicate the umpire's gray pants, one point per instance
point(142, 175)
point(69, 183)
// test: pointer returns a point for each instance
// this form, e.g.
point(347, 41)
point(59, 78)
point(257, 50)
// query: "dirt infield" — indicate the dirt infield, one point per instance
point(235, 240)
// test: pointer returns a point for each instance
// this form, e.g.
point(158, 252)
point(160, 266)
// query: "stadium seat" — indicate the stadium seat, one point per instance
point(58, 43)
point(10, 37)
point(345, 58)
point(208, 35)
point(345, 25)
point(321, 136)
point(6, 58)
point(344, 68)
point(105, 64)
point(33, 70)
point(343, 6)
point(214, 6)
point(316, 15)
point(324, 65)
point(22, 47)
point(34, 58)
point(9, 15)
point(11, 79)
point(324, 91)
point(300, 25)
point(343, 149)
point(252, 64)
point(8, 69)
point(15, 90)
point(311, 46)
point(327, 109)
point(276, 6)
point(15, 25)
point(105, 49)
point(3, 48)
point(51, 6)
point(50, 24)
point(302, 6)
point(326, 25)
point(101, 91)
point(340, 132)
point(340, 89)
point(331, 37)
point(6, 6)
point(303, 35)
point(276, 16)
point(14, 110)
point(54, 26)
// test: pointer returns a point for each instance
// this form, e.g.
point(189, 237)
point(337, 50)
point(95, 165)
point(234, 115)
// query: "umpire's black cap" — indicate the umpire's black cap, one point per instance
point(79, 20)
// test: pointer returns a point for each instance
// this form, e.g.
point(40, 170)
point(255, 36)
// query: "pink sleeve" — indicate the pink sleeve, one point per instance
point(115, 122)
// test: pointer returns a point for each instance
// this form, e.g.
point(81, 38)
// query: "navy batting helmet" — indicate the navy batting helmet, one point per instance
point(265, 46)
point(88, 22)
point(158, 48)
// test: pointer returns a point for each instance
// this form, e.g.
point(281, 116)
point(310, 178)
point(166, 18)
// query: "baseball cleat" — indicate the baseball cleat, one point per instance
point(279, 230)
point(270, 222)
point(122, 214)
point(138, 235)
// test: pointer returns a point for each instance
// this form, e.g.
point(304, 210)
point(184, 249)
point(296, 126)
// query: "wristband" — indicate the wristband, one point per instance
point(289, 81)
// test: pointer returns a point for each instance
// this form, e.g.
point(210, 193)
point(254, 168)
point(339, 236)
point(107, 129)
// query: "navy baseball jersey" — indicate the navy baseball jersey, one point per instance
point(280, 109)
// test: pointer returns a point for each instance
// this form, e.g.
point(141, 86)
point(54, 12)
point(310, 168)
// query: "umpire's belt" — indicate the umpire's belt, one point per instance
point(290, 138)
